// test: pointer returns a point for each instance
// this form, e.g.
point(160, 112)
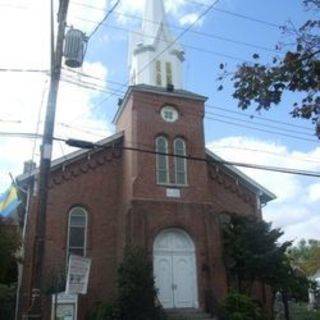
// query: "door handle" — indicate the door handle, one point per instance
point(174, 287)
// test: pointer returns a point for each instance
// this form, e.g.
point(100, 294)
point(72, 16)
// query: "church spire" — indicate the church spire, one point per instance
point(154, 37)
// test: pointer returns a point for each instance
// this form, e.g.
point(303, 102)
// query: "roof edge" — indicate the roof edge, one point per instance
point(73, 156)
point(265, 193)
point(156, 90)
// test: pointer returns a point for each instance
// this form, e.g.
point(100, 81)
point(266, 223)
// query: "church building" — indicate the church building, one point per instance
point(168, 201)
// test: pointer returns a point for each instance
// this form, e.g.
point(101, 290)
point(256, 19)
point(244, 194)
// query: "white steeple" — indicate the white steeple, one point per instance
point(145, 46)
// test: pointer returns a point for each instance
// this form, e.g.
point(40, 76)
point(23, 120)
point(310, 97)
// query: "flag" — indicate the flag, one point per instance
point(9, 201)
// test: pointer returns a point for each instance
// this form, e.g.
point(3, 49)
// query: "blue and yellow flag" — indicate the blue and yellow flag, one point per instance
point(9, 201)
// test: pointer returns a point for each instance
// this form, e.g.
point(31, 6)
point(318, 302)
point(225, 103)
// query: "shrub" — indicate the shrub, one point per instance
point(137, 293)
point(105, 311)
point(7, 301)
point(240, 307)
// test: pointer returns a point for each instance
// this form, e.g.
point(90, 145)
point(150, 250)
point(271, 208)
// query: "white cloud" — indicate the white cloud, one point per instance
point(182, 10)
point(314, 192)
point(190, 18)
point(26, 45)
point(293, 211)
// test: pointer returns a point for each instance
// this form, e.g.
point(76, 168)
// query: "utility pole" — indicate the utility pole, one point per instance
point(35, 311)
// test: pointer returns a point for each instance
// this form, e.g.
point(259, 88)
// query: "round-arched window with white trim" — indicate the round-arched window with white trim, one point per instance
point(77, 231)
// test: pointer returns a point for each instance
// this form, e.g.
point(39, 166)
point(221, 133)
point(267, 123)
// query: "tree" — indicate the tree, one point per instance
point(137, 293)
point(9, 246)
point(306, 255)
point(252, 252)
point(296, 71)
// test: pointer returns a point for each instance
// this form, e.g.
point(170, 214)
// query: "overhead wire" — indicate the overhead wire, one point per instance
point(269, 129)
point(71, 142)
point(259, 124)
point(225, 11)
point(200, 16)
point(239, 15)
point(21, 70)
point(104, 19)
point(262, 130)
point(253, 116)
point(188, 46)
point(303, 159)
point(199, 33)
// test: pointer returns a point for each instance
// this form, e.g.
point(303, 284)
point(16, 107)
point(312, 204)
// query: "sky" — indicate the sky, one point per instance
point(87, 114)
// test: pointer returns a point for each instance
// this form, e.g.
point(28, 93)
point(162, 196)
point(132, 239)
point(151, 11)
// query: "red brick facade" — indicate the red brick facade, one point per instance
point(125, 205)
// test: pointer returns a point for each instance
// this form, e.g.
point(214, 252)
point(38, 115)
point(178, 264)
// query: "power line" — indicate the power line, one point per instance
point(92, 77)
point(26, 135)
point(223, 162)
point(251, 116)
point(89, 86)
point(278, 133)
point(203, 50)
point(23, 70)
point(312, 160)
point(77, 143)
point(74, 143)
point(104, 19)
point(199, 33)
point(257, 117)
point(91, 129)
point(260, 124)
point(204, 13)
point(239, 15)
point(229, 12)
point(10, 121)
point(262, 130)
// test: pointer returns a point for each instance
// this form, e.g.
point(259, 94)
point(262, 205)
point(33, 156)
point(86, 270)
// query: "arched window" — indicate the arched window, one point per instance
point(77, 232)
point(162, 166)
point(158, 73)
point(180, 164)
point(169, 73)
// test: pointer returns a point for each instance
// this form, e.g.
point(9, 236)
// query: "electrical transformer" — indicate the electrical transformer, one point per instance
point(75, 47)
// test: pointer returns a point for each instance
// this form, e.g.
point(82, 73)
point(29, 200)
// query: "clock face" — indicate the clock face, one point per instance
point(169, 114)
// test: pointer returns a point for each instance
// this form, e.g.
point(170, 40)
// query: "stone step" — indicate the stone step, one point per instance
point(187, 314)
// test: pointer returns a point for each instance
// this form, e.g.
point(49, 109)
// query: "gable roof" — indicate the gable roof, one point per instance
point(265, 194)
point(74, 156)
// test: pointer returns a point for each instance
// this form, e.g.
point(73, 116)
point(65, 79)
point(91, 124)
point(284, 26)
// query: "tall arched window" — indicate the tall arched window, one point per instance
point(77, 232)
point(158, 73)
point(180, 164)
point(169, 73)
point(162, 160)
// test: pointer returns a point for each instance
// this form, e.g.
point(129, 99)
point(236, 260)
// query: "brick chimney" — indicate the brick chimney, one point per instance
point(29, 166)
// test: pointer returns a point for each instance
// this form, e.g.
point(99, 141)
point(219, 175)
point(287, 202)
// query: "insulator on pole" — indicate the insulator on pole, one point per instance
point(75, 47)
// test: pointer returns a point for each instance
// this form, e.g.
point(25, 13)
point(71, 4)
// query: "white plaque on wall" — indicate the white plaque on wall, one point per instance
point(173, 193)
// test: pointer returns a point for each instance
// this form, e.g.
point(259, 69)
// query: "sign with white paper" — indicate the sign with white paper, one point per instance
point(78, 275)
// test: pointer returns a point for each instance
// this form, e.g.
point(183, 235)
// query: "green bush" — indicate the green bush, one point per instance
point(105, 311)
point(240, 307)
point(137, 293)
point(301, 312)
point(7, 301)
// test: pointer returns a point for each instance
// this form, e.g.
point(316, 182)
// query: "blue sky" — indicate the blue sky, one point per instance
point(296, 209)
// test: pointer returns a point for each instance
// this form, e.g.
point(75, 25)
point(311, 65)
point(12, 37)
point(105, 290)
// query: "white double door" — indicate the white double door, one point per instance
point(175, 277)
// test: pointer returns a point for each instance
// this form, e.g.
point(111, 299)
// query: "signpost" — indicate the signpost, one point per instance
point(78, 275)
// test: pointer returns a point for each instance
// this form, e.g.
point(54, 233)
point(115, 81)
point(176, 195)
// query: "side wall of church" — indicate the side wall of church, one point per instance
point(94, 185)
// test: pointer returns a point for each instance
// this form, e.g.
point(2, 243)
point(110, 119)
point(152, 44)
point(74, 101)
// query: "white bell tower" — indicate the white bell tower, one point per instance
point(154, 37)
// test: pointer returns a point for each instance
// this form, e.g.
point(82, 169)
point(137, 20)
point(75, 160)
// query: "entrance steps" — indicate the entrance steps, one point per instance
point(188, 314)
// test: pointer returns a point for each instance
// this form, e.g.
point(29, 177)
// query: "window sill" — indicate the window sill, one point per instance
point(173, 185)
